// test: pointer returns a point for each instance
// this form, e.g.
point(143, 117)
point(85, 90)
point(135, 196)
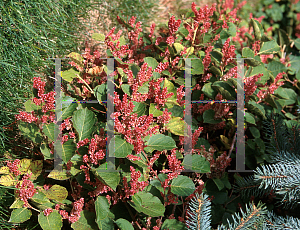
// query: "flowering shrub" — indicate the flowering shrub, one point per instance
point(150, 183)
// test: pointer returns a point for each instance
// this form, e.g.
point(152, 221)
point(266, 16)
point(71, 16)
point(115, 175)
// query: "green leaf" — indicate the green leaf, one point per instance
point(101, 92)
point(260, 143)
point(196, 163)
point(17, 204)
point(225, 89)
point(209, 91)
point(156, 75)
point(48, 130)
point(173, 224)
point(249, 118)
point(148, 204)
point(56, 192)
point(69, 75)
point(84, 121)
point(255, 132)
point(231, 29)
point(126, 89)
point(276, 67)
point(283, 38)
point(112, 179)
point(154, 110)
point(161, 142)
point(190, 51)
point(98, 37)
point(178, 47)
point(176, 126)
point(104, 218)
point(122, 147)
point(216, 55)
point(51, 222)
point(101, 207)
point(59, 174)
point(155, 182)
point(197, 66)
point(77, 58)
point(297, 43)
point(40, 198)
point(219, 183)
point(256, 108)
point(86, 221)
point(208, 117)
point(253, 62)
point(286, 93)
point(20, 215)
point(31, 106)
point(124, 224)
point(67, 108)
point(31, 131)
point(151, 62)
point(68, 150)
point(170, 87)
point(202, 141)
point(182, 186)
point(46, 151)
point(290, 116)
point(215, 70)
point(177, 111)
point(139, 108)
point(270, 47)
point(257, 70)
point(257, 29)
point(144, 88)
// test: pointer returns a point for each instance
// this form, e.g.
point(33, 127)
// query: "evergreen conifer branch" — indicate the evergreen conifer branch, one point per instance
point(247, 187)
point(278, 222)
point(253, 218)
point(198, 214)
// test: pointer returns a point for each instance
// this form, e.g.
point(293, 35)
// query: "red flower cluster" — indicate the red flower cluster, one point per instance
point(95, 153)
point(135, 185)
point(26, 117)
point(26, 189)
point(47, 211)
point(228, 53)
point(250, 86)
point(77, 208)
point(263, 92)
point(14, 167)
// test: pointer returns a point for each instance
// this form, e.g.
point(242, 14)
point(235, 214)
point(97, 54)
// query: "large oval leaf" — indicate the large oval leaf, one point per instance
point(182, 186)
point(67, 151)
point(110, 178)
point(196, 163)
point(86, 221)
point(48, 130)
point(160, 142)
point(67, 108)
point(104, 217)
point(30, 131)
point(208, 117)
point(124, 224)
point(225, 90)
point(51, 222)
point(148, 204)
point(56, 192)
point(270, 47)
point(20, 215)
point(176, 126)
point(122, 147)
point(84, 121)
